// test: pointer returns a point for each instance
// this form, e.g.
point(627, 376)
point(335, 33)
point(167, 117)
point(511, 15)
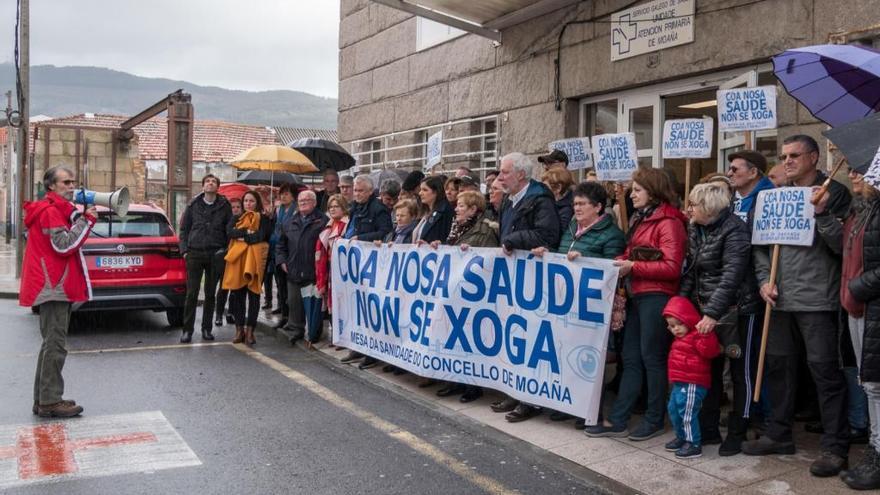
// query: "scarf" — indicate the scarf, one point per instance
point(638, 217)
point(246, 263)
point(460, 228)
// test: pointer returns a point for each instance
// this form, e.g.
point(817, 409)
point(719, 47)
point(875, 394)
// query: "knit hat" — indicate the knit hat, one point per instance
point(683, 310)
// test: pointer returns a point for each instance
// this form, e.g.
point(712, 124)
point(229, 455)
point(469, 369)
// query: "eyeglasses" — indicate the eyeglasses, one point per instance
point(67, 182)
point(793, 156)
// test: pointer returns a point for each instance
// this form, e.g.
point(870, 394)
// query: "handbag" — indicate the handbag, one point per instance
point(645, 253)
point(618, 308)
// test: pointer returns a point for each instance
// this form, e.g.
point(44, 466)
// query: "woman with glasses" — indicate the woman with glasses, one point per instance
point(337, 209)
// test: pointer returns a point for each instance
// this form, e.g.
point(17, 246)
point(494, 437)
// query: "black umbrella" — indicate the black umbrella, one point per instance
point(267, 178)
point(324, 153)
point(858, 141)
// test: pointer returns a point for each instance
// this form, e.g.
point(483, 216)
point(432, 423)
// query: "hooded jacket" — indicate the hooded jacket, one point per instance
point(203, 226)
point(690, 356)
point(533, 222)
point(744, 208)
point(665, 229)
point(54, 268)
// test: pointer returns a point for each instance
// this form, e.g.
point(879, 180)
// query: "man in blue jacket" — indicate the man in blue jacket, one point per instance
point(746, 173)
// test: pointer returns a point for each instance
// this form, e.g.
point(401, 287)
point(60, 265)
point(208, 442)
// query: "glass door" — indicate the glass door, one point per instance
point(640, 114)
point(730, 142)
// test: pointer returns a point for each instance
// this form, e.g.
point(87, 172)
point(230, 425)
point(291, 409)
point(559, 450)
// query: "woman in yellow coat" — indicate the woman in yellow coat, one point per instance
point(246, 265)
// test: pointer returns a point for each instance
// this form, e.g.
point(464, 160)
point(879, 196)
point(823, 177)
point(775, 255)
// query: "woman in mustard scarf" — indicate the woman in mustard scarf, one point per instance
point(246, 265)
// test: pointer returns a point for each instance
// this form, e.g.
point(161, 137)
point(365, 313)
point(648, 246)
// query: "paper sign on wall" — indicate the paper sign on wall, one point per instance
point(687, 138)
point(784, 215)
point(578, 152)
point(747, 109)
point(615, 156)
point(435, 150)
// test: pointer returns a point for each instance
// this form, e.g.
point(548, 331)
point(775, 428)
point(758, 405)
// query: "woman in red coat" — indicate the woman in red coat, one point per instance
point(337, 210)
point(652, 265)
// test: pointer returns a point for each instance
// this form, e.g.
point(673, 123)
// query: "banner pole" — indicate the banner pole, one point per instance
point(824, 189)
point(774, 263)
point(687, 179)
point(621, 202)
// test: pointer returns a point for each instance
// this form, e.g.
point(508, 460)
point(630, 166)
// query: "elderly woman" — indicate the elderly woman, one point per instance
point(496, 198)
point(560, 182)
point(652, 264)
point(860, 296)
point(406, 216)
point(720, 280)
point(590, 233)
point(246, 264)
point(337, 209)
point(471, 229)
point(437, 221)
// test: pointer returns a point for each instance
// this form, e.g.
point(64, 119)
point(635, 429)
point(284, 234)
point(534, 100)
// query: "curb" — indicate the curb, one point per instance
point(596, 481)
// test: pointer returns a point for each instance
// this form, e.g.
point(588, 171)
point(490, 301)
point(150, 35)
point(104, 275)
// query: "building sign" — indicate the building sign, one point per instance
point(747, 109)
point(687, 138)
point(615, 156)
point(784, 216)
point(533, 328)
point(578, 152)
point(435, 150)
point(651, 27)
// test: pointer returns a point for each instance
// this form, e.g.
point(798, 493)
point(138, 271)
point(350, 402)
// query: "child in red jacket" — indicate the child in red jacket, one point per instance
point(690, 373)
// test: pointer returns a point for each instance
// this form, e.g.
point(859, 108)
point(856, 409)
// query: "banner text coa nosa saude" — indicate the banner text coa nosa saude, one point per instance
point(533, 328)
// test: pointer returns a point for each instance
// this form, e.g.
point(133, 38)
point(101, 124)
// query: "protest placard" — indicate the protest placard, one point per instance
point(784, 215)
point(747, 109)
point(434, 151)
point(872, 176)
point(578, 151)
point(687, 138)
point(615, 156)
point(533, 328)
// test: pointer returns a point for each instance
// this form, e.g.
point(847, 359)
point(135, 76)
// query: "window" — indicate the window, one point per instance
point(489, 147)
point(375, 155)
point(430, 33)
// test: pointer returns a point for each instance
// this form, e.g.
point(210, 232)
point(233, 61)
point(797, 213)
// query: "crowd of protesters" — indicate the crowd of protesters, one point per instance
point(692, 290)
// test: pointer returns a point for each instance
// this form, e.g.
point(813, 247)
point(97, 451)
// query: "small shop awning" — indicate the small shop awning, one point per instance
point(484, 17)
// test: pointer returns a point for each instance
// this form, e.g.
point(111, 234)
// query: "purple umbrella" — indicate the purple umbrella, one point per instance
point(837, 83)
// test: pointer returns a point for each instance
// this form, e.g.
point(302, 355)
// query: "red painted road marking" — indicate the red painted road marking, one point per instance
point(45, 450)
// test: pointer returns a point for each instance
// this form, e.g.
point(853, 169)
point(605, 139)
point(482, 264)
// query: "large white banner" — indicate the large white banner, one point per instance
point(533, 328)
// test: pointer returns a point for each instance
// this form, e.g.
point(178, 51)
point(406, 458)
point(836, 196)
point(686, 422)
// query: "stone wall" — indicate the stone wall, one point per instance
point(385, 85)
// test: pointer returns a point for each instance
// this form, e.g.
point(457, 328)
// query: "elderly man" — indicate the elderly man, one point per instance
point(805, 304)
point(295, 256)
point(746, 174)
point(528, 220)
point(203, 245)
point(53, 276)
point(330, 185)
point(369, 220)
point(346, 187)
point(554, 159)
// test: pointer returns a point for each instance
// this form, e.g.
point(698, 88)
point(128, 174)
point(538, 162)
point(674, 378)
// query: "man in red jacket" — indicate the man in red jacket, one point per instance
point(53, 276)
point(690, 373)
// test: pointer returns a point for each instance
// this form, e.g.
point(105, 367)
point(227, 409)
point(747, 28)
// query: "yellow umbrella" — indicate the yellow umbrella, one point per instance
point(274, 158)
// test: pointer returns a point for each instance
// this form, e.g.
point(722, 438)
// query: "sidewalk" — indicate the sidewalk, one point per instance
point(641, 466)
point(8, 282)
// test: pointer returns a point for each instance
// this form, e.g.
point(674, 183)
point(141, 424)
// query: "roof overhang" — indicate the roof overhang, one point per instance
point(486, 18)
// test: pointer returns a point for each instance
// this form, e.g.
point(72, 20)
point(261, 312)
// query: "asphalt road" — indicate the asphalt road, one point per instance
point(277, 420)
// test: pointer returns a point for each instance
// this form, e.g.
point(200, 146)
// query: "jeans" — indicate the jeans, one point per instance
point(48, 382)
point(645, 349)
point(684, 411)
point(872, 389)
point(817, 330)
point(209, 263)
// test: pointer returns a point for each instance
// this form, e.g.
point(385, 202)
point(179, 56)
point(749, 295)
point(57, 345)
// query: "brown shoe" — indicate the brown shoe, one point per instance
point(239, 335)
point(36, 407)
point(249, 336)
point(61, 409)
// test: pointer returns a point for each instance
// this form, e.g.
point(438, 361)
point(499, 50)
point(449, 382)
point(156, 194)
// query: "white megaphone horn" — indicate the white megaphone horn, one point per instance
point(117, 200)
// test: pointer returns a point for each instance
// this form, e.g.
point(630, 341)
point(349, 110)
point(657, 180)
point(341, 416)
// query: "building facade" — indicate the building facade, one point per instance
point(403, 78)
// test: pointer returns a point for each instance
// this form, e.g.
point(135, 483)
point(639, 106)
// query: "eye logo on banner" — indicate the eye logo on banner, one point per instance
point(585, 362)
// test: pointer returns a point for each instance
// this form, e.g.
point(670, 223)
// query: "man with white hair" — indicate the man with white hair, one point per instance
point(528, 219)
point(295, 256)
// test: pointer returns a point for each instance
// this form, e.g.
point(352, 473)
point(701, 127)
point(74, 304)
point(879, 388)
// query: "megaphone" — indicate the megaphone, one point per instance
point(117, 200)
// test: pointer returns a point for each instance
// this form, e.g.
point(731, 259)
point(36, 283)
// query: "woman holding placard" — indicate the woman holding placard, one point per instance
point(652, 263)
point(720, 281)
point(860, 296)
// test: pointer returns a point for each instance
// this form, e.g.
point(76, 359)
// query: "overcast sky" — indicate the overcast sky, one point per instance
point(254, 45)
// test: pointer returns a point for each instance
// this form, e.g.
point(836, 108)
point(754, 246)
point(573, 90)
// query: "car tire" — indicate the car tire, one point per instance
point(175, 317)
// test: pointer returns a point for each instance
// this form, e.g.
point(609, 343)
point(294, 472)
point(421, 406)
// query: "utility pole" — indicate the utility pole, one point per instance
point(24, 179)
point(10, 189)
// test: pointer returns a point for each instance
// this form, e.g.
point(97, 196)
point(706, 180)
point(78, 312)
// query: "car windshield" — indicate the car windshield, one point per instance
point(134, 224)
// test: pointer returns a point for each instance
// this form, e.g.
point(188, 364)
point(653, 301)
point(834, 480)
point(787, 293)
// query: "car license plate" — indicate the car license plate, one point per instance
point(119, 261)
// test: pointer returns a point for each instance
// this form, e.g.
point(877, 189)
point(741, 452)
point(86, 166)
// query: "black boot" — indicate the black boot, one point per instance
point(866, 474)
point(186, 337)
point(207, 335)
point(736, 435)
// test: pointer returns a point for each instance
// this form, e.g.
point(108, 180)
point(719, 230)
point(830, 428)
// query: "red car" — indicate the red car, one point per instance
point(134, 263)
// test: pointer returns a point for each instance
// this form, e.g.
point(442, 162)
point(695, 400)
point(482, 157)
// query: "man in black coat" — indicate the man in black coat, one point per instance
point(369, 219)
point(528, 220)
point(203, 245)
point(295, 256)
